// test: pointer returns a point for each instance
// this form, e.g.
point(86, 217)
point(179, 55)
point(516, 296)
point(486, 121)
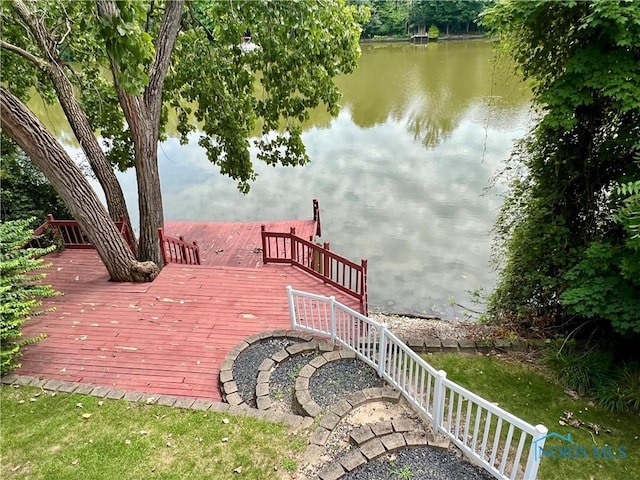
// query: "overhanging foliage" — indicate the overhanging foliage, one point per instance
point(564, 253)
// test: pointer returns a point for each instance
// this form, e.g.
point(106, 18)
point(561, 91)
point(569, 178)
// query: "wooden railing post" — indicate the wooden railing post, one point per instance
point(294, 245)
point(325, 264)
point(264, 244)
point(183, 250)
point(162, 246)
point(316, 217)
point(196, 252)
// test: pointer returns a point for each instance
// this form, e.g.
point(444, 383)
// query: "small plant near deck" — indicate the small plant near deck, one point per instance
point(20, 289)
point(296, 371)
point(289, 465)
point(403, 473)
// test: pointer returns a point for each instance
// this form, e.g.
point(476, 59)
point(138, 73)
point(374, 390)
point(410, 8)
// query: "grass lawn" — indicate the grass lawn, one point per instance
point(82, 437)
point(534, 396)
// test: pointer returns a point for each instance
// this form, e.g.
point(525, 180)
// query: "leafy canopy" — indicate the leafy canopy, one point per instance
point(217, 87)
point(565, 233)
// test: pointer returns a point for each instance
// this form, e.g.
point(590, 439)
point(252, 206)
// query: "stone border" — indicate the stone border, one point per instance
point(443, 345)
point(268, 365)
point(336, 412)
point(373, 441)
point(191, 403)
point(302, 402)
point(369, 441)
point(228, 386)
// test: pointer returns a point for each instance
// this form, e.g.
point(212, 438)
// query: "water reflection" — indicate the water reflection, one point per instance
point(401, 173)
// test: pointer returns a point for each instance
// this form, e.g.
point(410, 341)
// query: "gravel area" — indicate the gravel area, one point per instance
point(283, 379)
point(336, 379)
point(410, 327)
point(245, 368)
point(423, 463)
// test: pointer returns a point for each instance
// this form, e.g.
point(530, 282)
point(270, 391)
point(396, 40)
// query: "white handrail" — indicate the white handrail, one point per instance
point(474, 424)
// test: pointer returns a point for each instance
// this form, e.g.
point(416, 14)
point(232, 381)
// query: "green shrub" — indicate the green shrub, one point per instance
point(582, 371)
point(434, 32)
point(594, 372)
point(21, 290)
point(622, 392)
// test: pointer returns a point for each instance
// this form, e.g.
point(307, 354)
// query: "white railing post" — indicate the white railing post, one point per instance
point(438, 400)
point(382, 345)
point(333, 318)
point(537, 444)
point(292, 310)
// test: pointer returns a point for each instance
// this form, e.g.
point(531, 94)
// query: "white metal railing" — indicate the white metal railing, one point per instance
point(500, 442)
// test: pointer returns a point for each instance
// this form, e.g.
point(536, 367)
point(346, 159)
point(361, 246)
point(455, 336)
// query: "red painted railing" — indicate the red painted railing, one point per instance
point(178, 250)
point(71, 235)
point(317, 260)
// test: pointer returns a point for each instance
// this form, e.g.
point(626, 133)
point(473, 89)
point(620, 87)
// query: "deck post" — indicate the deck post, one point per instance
point(325, 262)
point(292, 310)
point(196, 252)
point(264, 243)
point(333, 318)
point(316, 217)
point(294, 246)
point(183, 250)
point(364, 300)
point(162, 249)
point(438, 401)
point(382, 352)
point(533, 460)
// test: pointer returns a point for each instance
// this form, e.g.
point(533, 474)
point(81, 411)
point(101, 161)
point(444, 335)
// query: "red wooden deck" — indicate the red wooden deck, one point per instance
point(237, 244)
point(165, 337)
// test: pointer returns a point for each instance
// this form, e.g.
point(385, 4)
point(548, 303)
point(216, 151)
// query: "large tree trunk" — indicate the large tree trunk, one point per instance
point(143, 117)
point(44, 150)
point(76, 117)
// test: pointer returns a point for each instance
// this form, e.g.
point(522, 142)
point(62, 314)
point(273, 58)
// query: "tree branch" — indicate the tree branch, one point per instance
point(164, 47)
point(35, 27)
point(147, 23)
point(37, 61)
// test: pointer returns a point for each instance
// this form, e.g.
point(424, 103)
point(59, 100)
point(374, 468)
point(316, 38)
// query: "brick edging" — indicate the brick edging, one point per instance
point(383, 437)
point(228, 386)
point(374, 440)
point(444, 345)
point(268, 365)
point(191, 403)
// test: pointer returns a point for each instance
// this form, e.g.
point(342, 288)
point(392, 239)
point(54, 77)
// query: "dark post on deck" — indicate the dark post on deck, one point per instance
point(316, 217)
point(264, 244)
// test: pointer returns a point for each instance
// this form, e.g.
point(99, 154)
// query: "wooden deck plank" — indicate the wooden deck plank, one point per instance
point(234, 244)
point(165, 337)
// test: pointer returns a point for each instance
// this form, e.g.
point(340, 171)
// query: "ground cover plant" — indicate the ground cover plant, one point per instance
point(531, 393)
point(69, 436)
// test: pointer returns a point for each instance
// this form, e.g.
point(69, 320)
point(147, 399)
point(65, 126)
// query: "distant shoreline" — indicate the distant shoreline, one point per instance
point(442, 38)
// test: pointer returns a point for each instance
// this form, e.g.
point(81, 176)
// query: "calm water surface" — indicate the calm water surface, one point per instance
point(402, 174)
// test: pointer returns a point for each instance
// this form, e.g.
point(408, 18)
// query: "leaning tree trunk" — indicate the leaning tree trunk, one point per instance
point(76, 117)
point(44, 150)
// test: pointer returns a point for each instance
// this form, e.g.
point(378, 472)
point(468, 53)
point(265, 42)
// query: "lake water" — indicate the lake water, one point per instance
point(403, 174)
